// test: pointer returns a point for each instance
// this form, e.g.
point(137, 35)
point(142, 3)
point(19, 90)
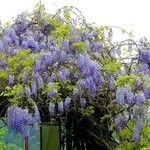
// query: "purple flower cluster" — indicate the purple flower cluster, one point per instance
point(65, 45)
point(147, 92)
point(25, 78)
point(63, 57)
point(97, 47)
point(23, 34)
point(120, 120)
point(89, 72)
point(145, 56)
point(52, 77)
point(1, 46)
point(52, 93)
point(34, 89)
point(31, 44)
point(36, 119)
point(143, 67)
point(28, 91)
point(137, 129)
point(51, 108)
point(18, 119)
point(38, 65)
point(64, 74)
point(11, 79)
point(120, 95)
point(140, 98)
point(125, 95)
point(21, 23)
point(139, 84)
point(40, 83)
point(111, 82)
point(83, 102)
point(61, 106)
point(67, 103)
point(9, 38)
point(75, 92)
point(3, 64)
point(47, 28)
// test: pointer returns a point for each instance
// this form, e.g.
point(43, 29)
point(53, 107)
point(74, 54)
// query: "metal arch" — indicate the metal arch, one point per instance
point(78, 20)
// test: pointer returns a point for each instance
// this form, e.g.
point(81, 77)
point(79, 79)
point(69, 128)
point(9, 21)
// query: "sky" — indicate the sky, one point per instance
point(132, 15)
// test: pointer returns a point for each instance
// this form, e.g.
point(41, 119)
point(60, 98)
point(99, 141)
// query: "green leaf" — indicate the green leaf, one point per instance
point(126, 80)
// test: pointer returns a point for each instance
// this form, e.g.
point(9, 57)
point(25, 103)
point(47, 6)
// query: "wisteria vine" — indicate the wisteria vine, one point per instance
point(50, 61)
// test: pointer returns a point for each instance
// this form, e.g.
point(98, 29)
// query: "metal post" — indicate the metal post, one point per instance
point(26, 143)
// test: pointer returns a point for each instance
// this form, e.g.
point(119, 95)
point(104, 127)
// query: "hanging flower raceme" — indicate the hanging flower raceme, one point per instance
point(34, 89)
point(90, 72)
point(120, 95)
point(120, 121)
point(143, 67)
point(145, 56)
point(51, 108)
point(20, 119)
point(60, 106)
point(137, 129)
point(67, 103)
point(28, 91)
point(11, 79)
point(1, 46)
point(64, 74)
point(36, 119)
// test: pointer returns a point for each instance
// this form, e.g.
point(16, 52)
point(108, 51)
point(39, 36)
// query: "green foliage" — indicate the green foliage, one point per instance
point(19, 61)
point(101, 32)
point(126, 137)
point(13, 93)
point(126, 80)
point(147, 83)
point(23, 53)
point(67, 88)
point(126, 146)
point(111, 66)
point(50, 87)
point(55, 23)
point(3, 74)
point(67, 13)
point(56, 98)
point(3, 131)
point(63, 31)
point(88, 111)
point(80, 46)
point(105, 117)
